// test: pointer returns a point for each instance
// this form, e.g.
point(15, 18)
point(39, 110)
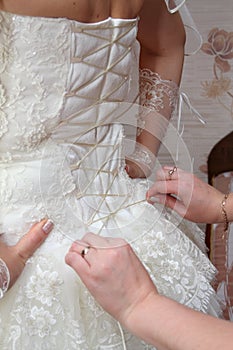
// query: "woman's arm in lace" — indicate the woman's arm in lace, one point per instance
point(13, 258)
point(162, 39)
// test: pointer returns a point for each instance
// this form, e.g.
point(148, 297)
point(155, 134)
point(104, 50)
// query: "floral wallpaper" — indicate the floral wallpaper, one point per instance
point(208, 82)
point(220, 45)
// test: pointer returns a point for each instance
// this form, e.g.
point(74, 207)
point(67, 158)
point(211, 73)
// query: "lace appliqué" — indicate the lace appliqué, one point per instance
point(3, 120)
point(178, 269)
point(31, 139)
point(4, 278)
point(153, 90)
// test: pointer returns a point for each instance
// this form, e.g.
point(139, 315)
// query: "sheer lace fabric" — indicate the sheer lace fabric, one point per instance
point(156, 93)
point(158, 96)
point(158, 101)
point(63, 84)
point(143, 157)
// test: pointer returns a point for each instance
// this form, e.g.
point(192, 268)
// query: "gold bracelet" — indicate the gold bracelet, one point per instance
point(224, 214)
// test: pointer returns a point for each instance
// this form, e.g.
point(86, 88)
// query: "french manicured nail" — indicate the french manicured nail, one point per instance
point(48, 226)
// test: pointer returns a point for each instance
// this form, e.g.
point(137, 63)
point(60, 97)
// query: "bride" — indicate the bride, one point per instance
point(69, 72)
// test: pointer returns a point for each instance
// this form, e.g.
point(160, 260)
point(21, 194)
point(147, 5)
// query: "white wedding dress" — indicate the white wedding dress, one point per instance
point(62, 83)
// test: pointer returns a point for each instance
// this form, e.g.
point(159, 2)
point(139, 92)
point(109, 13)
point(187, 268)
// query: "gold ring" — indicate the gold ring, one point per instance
point(171, 172)
point(85, 251)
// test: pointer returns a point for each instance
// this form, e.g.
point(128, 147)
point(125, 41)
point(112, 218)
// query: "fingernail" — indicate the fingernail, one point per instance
point(47, 226)
point(153, 199)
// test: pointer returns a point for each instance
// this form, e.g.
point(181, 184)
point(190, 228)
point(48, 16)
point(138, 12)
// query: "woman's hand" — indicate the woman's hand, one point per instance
point(135, 171)
point(113, 274)
point(187, 195)
point(140, 163)
point(16, 256)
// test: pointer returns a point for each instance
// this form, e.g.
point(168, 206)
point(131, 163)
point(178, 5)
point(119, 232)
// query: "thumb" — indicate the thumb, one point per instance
point(32, 240)
point(170, 202)
point(175, 204)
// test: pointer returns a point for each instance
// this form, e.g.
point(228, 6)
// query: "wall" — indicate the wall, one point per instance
point(208, 81)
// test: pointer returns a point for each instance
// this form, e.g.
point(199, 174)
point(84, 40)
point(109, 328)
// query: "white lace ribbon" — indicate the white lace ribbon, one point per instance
point(174, 5)
point(4, 278)
point(122, 336)
point(184, 100)
point(193, 36)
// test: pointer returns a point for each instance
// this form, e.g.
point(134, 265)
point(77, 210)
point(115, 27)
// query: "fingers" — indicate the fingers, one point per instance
point(77, 257)
point(29, 243)
point(84, 254)
point(163, 187)
point(74, 259)
point(175, 204)
point(96, 241)
point(135, 170)
point(168, 181)
point(173, 188)
point(167, 173)
point(132, 171)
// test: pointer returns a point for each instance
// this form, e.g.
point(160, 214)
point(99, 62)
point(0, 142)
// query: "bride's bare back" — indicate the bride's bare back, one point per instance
point(81, 10)
point(160, 34)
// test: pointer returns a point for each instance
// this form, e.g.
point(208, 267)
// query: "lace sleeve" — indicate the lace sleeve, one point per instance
point(159, 97)
point(157, 94)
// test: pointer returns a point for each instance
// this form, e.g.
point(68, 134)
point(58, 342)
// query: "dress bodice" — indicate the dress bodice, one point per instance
point(52, 69)
point(61, 85)
point(66, 88)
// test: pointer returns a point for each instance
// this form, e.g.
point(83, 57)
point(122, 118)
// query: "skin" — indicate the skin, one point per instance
point(17, 255)
point(189, 196)
point(121, 285)
point(80, 10)
point(101, 269)
point(161, 36)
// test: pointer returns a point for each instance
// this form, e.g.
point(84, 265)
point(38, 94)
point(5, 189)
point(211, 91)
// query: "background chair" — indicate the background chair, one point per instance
point(220, 175)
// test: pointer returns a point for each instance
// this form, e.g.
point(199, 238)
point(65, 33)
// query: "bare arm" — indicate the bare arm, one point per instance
point(121, 285)
point(162, 39)
point(13, 258)
point(190, 197)
point(172, 326)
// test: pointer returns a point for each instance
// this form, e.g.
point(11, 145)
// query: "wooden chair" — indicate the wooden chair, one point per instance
point(220, 175)
point(220, 159)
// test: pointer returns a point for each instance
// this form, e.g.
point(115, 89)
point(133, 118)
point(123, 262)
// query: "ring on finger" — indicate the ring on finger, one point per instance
point(171, 172)
point(85, 251)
